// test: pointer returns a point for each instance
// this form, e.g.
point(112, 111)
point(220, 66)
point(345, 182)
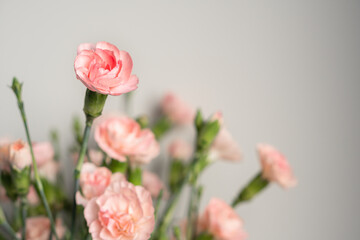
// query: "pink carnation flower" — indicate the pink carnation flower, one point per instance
point(180, 149)
point(153, 184)
point(32, 196)
point(44, 156)
point(224, 146)
point(103, 68)
point(94, 181)
point(38, 228)
point(120, 137)
point(220, 220)
point(177, 110)
point(123, 211)
point(19, 155)
point(275, 166)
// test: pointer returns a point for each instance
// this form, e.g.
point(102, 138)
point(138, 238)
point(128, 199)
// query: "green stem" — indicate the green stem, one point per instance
point(23, 207)
point(256, 185)
point(135, 175)
point(77, 170)
point(193, 211)
point(5, 225)
point(36, 172)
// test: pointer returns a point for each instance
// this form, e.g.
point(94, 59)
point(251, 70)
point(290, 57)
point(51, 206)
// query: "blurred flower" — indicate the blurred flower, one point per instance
point(220, 220)
point(93, 182)
point(153, 184)
point(3, 196)
point(4, 154)
point(177, 110)
point(180, 149)
point(122, 136)
point(44, 156)
point(32, 196)
point(224, 146)
point(38, 228)
point(95, 156)
point(124, 211)
point(44, 152)
point(275, 166)
point(19, 155)
point(103, 68)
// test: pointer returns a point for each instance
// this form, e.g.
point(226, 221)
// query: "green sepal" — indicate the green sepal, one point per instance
point(207, 134)
point(177, 173)
point(21, 180)
point(117, 166)
point(94, 104)
point(143, 121)
point(199, 120)
point(255, 186)
point(135, 176)
point(204, 236)
point(162, 126)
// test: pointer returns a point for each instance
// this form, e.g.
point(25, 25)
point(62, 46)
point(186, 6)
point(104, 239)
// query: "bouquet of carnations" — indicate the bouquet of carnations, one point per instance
point(114, 197)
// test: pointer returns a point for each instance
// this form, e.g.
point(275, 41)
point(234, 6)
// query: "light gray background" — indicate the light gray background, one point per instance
point(284, 72)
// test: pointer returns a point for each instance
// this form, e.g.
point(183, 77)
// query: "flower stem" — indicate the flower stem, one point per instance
point(23, 207)
point(5, 225)
point(17, 87)
point(77, 170)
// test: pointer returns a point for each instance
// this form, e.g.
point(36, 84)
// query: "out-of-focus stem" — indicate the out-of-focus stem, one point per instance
point(77, 170)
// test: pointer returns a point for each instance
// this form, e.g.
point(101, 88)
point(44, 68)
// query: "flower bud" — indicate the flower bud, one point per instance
point(207, 134)
point(19, 155)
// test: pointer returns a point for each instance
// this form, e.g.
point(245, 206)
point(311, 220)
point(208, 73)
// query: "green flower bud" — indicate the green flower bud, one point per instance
point(17, 87)
point(198, 120)
point(21, 180)
point(207, 134)
point(94, 104)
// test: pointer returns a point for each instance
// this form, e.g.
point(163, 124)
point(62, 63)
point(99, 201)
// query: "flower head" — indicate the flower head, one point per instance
point(94, 181)
point(19, 155)
point(275, 166)
point(224, 146)
point(152, 183)
point(123, 211)
point(180, 149)
point(105, 69)
point(220, 220)
point(177, 110)
point(122, 136)
point(38, 228)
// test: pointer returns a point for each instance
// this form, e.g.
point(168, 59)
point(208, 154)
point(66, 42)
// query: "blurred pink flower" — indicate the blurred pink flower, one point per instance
point(220, 220)
point(275, 166)
point(38, 228)
point(103, 68)
point(123, 211)
point(94, 181)
point(153, 184)
point(4, 154)
point(122, 136)
point(32, 196)
point(180, 149)
point(3, 196)
point(44, 152)
point(225, 147)
point(19, 155)
point(177, 110)
point(44, 156)
point(95, 156)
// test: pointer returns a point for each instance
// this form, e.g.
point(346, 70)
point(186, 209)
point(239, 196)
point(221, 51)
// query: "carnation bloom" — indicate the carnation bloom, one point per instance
point(32, 196)
point(44, 156)
point(275, 166)
point(152, 183)
point(38, 228)
point(123, 211)
point(224, 145)
point(122, 136)
point(180, 149)
point(93, 182)
point(105, 69)
point(177, 110)
point(19, 154)
point(220, 220)
point(96, 157)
